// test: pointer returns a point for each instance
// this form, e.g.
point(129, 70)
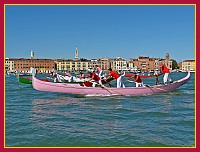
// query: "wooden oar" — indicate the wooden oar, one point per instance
point(103, 86)
point(130, 81)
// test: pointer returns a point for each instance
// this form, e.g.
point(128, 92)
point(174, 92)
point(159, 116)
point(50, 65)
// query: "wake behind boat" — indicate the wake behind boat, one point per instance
point(83, 90)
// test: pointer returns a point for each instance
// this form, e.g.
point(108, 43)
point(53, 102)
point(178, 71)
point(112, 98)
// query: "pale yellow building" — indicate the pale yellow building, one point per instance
point(72, 65)
point(118, 64)
point(9, 65)
point(104, 63)
point(188, 65)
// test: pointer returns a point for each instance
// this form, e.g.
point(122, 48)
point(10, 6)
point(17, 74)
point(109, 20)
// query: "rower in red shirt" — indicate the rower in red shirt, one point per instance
point(116, 76)
point(138, 80)
point(96, 79)
point(165, 71)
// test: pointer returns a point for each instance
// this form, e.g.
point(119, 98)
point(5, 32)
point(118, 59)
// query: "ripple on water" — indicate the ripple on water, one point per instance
point(35, 118)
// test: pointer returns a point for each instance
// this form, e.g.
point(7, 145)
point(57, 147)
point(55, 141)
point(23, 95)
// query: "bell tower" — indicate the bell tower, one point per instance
point(167, 56)
point(76, 54)
point(32, 54)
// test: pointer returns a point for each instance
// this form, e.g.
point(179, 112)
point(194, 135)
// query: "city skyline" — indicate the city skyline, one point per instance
point(100, 31)
point(76, 57)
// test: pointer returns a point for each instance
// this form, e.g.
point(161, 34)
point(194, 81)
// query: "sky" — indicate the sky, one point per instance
point(100, 31)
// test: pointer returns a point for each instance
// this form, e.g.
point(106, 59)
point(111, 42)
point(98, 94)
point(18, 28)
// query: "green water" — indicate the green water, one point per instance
point(41, 119)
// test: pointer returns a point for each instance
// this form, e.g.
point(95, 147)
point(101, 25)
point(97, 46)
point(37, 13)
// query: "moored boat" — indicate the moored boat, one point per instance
point(24, 79)
point(83, 90)
point(28, 80)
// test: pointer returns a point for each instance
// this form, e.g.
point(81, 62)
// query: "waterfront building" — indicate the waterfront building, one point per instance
point(93, 63)
point(130, 65)
point(63, 64)
point(23, 65)
point(72, 65)
point(156, 64)
point(144, 63)
point(104, 63)
point(188, 65)
point(80, 65)
point(9, 65)
point(118, 64)
point(167, 61)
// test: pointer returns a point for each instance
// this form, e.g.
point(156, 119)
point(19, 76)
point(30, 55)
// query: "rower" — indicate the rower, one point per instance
point(59, 77)
point(138, 80)
point(156, 76)
point(98, 70)
point(96, 79)
point(116, 76)
point(166, 72)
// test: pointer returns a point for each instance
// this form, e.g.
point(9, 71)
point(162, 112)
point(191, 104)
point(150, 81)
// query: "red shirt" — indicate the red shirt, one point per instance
point(137, 79)
point(95, 77)
point(114, 74)
point(164, 69)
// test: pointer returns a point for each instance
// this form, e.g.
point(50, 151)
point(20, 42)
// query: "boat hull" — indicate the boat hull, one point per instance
point(129, 91)
point(24, 80)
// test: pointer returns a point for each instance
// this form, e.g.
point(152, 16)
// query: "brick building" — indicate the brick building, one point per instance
point(23, 65)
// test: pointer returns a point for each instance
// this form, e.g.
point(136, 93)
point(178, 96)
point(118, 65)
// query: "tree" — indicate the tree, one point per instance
point(83, 59)
point(174, 64)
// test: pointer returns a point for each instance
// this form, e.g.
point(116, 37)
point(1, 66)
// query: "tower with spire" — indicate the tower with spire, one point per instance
point(76, 54)
point(167, 56)
point(32, 54)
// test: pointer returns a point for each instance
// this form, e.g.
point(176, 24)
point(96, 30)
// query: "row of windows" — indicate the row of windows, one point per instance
point(72, 63)
point(33, 64)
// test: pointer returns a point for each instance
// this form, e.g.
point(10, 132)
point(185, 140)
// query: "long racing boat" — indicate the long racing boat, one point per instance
point(78, 89)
